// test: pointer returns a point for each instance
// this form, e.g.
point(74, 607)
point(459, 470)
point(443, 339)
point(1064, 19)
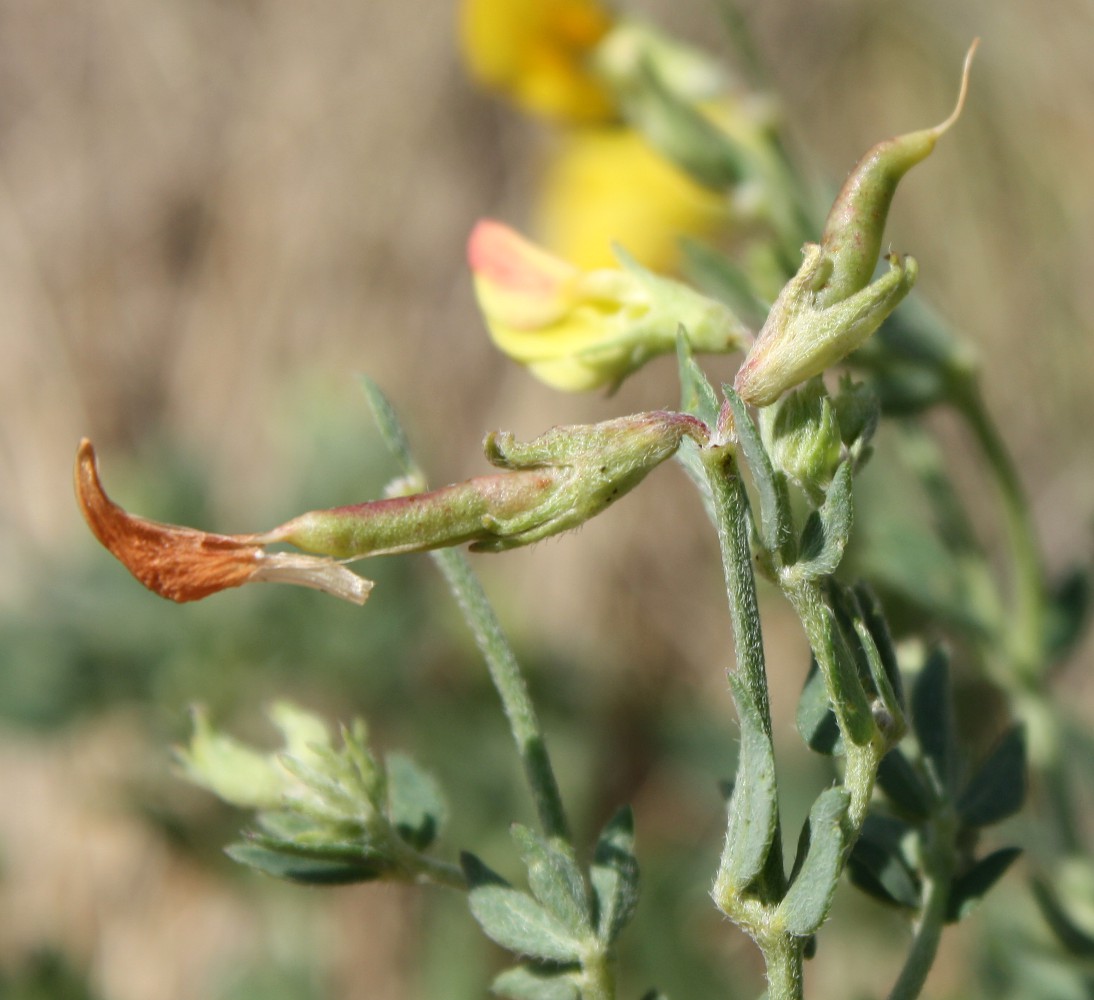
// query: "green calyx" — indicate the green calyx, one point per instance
point(549, 485)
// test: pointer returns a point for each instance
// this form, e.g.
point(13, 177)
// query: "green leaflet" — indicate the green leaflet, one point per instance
point(614, 876)
point(998, 788)
point(807, 901)
point(753, 806)
point(555, 879)
point(525, 982)
point(515, 920)
point(775, 524)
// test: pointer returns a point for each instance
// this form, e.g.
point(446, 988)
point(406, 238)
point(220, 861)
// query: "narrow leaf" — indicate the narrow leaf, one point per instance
point(874, 618)
point(844, 678)
point(880, 678)
point(753, 806)
point(775, 524)
point(932, 717)
point(901, 782)
point(415, 804)
point(998, 788)
point(1069, 612)
point(807, 901)
point(524, 982)
point(306, 868)
point(697, 396)
point(815, 719)
point(555, 879)
point(390, 429)
point(877, 864)
point(828, 529)
point(715, 274)
point(967, 890)
point(614, 875)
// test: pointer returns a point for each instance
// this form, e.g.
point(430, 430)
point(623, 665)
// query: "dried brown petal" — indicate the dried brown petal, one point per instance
point(182, 564)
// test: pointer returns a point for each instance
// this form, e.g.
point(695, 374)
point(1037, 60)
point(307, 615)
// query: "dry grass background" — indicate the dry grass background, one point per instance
point(213, 210)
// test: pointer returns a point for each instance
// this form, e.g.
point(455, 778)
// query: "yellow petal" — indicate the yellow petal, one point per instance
point(535, 53)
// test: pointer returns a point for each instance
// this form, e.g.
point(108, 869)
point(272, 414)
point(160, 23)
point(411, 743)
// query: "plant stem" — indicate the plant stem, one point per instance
point(598, 981)
point(423, 868)
point(938, 871)
point(863, 743)
point(1025, 636)
point(509, 681)
point(484, 625)
point(783, 957)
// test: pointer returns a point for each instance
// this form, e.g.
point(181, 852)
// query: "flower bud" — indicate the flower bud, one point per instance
point(578, 330)
point(803, 437)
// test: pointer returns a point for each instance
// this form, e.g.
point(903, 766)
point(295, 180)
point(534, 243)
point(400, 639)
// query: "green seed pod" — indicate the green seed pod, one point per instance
point(856, 222)
point(831, 306)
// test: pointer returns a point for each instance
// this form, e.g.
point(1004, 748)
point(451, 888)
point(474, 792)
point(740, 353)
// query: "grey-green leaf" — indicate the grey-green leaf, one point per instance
point(807, 901)
point(555, 879)
point(815, 719)
point(390, 429)
point(874, 618)
point(697, 396)
point(998, 788)
point(932, 717)
point(514, 919)
point(307, 867)
point(1069, 612)
point(900, 781)
point(415, 804)
point(775, 524)
point(968, 889)
point(828, 529)
point(715, 274)
point(524, 982)
point(753, 806)
point(877, 864)
point(614, 876)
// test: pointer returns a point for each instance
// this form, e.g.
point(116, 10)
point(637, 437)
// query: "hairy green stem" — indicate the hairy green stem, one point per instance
point(423, 868)
point(783, 956)
point(938, 872)
point(731, 511)
point(509, 681)
point(863, 742)
point(1025, 636)
point(489, 637)
point(782, 952)
point(598, 979)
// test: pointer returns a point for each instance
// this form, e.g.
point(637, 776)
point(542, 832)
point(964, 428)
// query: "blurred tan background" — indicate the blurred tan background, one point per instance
point(214, 212)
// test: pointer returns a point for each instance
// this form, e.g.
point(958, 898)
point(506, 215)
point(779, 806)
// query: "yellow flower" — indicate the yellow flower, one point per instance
point(578, 330)
point(606, 185)
point(536, 53)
